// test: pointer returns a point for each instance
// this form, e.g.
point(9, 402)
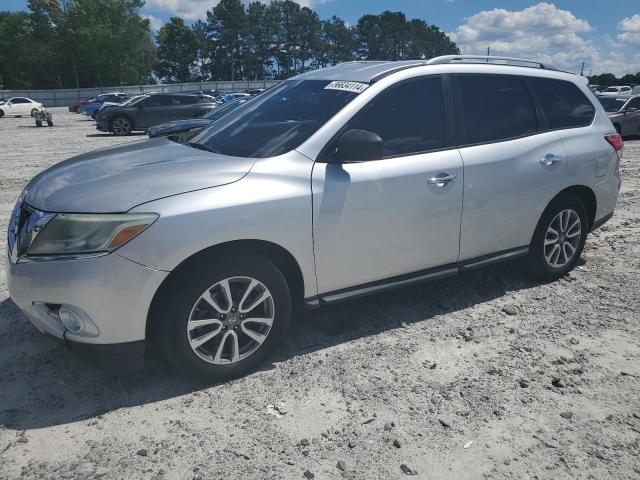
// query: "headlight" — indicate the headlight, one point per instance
point(72, 233)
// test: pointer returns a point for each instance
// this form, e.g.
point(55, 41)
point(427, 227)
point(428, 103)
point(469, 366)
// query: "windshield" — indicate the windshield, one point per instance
point(222, 110)
point(133, 100)
point(612, 104)
point(279, 120)
point(612, 89)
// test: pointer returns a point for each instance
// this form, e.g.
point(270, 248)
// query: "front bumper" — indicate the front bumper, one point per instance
point(113, 292)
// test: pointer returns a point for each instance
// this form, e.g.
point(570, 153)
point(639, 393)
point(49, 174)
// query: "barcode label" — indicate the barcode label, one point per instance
point(355, 87)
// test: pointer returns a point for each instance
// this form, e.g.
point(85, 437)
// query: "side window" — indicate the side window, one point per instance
point(564, 105)
point(20, 100)
point(158, 101)
point(635, 103)
point(495, 108)
point(408, 117)
point(186, 100)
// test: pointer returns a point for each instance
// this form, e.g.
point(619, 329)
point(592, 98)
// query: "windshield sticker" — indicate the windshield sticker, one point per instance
point(355, 87)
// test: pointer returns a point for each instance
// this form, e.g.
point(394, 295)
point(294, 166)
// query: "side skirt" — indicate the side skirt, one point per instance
point(422, 276)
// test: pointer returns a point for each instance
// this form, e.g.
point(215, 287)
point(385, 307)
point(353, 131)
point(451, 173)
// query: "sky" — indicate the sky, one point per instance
point(605, 34)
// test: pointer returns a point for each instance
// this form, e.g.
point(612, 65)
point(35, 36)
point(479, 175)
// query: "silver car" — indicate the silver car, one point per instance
point(338, 183)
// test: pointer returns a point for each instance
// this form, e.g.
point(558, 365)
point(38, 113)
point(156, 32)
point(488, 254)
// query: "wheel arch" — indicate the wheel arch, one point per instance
point(585, 194)
point(280, 256)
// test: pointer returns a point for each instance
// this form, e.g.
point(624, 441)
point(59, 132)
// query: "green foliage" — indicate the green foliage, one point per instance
point(177, 52)
point(76, 43)
point(609, 79)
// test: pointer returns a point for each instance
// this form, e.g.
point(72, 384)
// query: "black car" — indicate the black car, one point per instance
point(152, 109)
point(183, 126)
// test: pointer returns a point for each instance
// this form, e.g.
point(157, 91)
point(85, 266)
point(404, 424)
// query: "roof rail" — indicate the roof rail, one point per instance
point(518, 62)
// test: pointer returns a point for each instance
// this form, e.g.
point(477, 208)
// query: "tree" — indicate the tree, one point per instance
point(177, 52)
point(225, 25)
point(338, 42)
point(15, 64)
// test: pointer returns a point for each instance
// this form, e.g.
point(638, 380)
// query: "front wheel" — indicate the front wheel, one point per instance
point(121, 126)
point(223, 317)
point(559, 238)
point(33, 112)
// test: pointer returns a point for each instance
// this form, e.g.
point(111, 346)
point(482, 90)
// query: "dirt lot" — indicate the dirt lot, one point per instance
point(489, 375)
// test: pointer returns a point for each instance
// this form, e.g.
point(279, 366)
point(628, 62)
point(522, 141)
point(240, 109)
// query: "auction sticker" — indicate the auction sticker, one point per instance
point(355, 87)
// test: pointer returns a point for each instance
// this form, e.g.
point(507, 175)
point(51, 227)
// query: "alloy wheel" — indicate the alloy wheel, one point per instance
point(562, 238)
point(230, 320)
point(121, 126)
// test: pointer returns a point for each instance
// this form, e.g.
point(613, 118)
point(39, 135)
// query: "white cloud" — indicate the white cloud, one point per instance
point(197, 9)
point(541, 32)
point(187, 9)
point(154, 23)
point(629, 29)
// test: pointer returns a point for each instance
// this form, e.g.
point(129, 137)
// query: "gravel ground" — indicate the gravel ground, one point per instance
point(488, 375)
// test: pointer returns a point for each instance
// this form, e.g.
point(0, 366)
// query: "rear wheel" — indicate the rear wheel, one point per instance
point(121, 126)
point(222, 318)
point(559, 238)
point(1, 113)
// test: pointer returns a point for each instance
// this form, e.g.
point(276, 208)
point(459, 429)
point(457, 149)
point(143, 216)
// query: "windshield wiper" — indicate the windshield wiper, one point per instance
point(200, 146)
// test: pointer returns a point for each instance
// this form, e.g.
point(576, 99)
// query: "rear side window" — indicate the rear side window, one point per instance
point(496, 108)
point(564, 105)
point(408, 117)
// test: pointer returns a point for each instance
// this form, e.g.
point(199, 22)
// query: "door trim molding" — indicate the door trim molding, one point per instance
point(342, 295)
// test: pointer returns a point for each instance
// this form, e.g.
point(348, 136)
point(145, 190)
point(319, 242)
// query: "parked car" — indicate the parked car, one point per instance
point(615, 91)
point(624, 113)
point(19, 106)
point(337, 183)
point(2, 100)
point(75, 107)
point(106, 105)
point(635, 90)
point(152, 109)
point(183, 126)
point(90, 109)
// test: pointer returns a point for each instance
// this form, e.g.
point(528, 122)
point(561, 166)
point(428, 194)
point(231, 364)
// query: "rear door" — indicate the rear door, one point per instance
point(154, 110)
point(386, 217)
point(631, 120)
point(512, 166)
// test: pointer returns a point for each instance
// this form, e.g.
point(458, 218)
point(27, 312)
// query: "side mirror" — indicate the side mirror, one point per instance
point(358, 146)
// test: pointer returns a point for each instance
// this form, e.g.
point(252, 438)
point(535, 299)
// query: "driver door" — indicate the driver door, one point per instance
point(631, 122)
point(388, 217)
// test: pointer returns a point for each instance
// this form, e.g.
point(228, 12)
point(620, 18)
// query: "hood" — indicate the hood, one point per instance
point(117, 179)
point(180, 125)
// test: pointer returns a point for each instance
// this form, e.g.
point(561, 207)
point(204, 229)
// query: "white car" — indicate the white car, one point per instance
point(18, 106)
point(615, 91)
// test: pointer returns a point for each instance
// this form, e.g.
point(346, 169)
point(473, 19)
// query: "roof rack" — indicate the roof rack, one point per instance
point(517, 62)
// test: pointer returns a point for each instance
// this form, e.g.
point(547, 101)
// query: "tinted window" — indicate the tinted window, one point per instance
point(20, 100)
point(564, 105)
point(612, 104)
point(408, 117)
point(159, 101)
point(635, 103)
point(277, 121)
point(496, 108)
point(186, 100)
point(221, 111)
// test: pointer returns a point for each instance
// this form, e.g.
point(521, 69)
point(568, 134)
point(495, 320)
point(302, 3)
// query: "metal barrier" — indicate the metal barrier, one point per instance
point(64, 97)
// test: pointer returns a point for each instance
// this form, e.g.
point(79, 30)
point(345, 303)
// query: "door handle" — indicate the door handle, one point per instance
point(441, 180)
point(550, 159)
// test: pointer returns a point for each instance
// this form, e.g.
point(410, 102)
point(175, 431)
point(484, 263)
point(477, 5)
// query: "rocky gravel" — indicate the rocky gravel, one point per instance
point(487, 375)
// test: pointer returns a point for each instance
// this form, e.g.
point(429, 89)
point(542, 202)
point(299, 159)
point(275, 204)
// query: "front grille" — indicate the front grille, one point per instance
point(26, 223)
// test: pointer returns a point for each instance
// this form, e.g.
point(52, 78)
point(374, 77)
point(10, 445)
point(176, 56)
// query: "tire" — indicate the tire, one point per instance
point(549, 259)
point(33, 112)
point(187, 303)
point(38, 123)
point(1, 113)
point(120, 126)
point(50, 123)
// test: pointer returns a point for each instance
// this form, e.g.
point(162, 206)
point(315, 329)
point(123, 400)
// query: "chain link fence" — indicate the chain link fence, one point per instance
point(64, 97)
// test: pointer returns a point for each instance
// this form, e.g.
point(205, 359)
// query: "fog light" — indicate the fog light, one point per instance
point(71, 319)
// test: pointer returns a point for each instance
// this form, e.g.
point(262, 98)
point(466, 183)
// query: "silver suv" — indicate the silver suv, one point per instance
point(337, 183)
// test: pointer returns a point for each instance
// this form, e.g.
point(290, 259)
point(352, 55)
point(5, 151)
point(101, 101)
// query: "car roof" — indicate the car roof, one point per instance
point(372, 71)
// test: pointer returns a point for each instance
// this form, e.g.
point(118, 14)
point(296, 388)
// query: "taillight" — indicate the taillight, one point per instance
point(615, 140)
